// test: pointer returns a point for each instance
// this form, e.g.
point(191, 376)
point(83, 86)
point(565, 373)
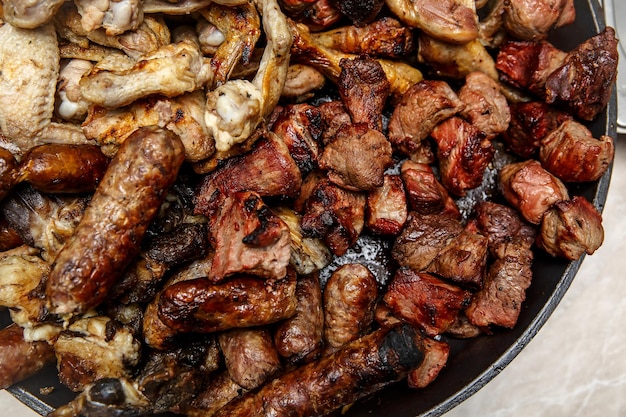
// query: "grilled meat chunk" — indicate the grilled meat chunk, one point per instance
point(531, 20)
point(485, 106)
point(463, 154)
point(8, 172)
point(501, 224)
point(424, 300)
point(9, 236)
point(219, 391)
point(386, 210)
point(435, 357)
point(531, 189)
point(571, 228)
point(360, 12)
point(334, 117)
point(425, 194)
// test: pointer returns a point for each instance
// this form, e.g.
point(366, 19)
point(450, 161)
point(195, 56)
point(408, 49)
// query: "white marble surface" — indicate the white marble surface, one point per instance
point(576, 364)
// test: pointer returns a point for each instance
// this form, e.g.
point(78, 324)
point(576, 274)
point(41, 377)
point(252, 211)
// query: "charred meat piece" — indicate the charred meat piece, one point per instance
point(250, 355)
point(571, 228)
point(386, 209)
point(425, 301)
point(420, 109)
point(357, 158)
point(572, 154)
point(110, 232)
point(248, 238)
point(501, 224)
point(485, 106)
point(463, 153)
point(200, 305)
point(20, 359)
point(218, 392)
point(299, 339)
point(9, 237)
point(334, 117)
point(531, 20)
point(425, 194)
point(8, 172)
point(530, 123)
point(500, 300)
point(335, 215)
point(586, 77)
point(463, 260)
point(423, 238)
point(316, 14)
point(319, 388)
point(529, 188)
point(435, 357)
point(364, 89)
point(385, 37)
point(360, 12)
point(268, 170)
point(299, 126)
point(95, 348)
point(350, 296)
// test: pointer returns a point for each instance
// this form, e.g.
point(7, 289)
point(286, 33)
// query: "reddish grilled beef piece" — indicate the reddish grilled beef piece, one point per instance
point(435, 357)
point(299, 126)
point(500, 300)
point(349, 298)
point(571, 228)
point(419, 110)
point(463, 260)
point(531, 20)
point(501, 224)
point(485, 106)
point(529, 188)
point(530, 123)
point(299, 339)
point(200, 305)
point(268, 170)
point(335, 215)
point(526, 65)
point(585, 79)
point(572, 154)
point(357, 158)
point(386, 210)
point(463, 154)
point(250, 355)
point(423, 237)
point(425, 301)
point(248, 237)
point(364, 89)
point(426, 195)
point(319, 388)
point(334, 117)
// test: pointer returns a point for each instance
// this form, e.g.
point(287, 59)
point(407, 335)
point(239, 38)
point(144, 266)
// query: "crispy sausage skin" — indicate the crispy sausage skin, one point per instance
point(353, 372)
point(20, 359)
point(109, 235)
point(63, 168)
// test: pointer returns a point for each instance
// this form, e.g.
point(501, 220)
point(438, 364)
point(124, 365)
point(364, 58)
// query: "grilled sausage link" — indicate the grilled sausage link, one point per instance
point(20, 359)
point(353, 372)
point(108, 237)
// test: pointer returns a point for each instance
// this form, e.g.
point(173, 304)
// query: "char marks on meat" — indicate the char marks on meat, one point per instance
point(501, 224)
point(386, 209)
point(485, 106)
point(425, 194)
point(435, 358)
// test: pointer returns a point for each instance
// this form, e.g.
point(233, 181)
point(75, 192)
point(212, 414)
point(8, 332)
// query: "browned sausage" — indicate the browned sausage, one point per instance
point(110, 232)
point(353, 372)
point(300, 338)
point(63, 168)
point(8, 172)
point(9, 236)
point(20, 359)
point(200, 305)
point(250, 355)
point(349, 304)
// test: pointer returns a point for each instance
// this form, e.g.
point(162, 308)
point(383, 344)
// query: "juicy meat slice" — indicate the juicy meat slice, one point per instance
point(419, 110)
point(463, 153)
point(364, 89)
point(335, 215)
point(386, 209)
point(200, 305)
point(572, 154)
point(425, 301)
point(248, 238)
point(530, 123)
point(321, 387)
point(250, 355)
point(299, 126)
point(423, 237)
point(435, 357)
point(529, 188)
point(585, 79)
point(500, 300)
point(349, 299)
point(426, 195)
point(531, 20)
point(502, 224)
point(485, 106)
point(357, 158)
point(571, 228)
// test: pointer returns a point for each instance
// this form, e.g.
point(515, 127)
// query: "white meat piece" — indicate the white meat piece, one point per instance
point(71, 105)
point(115, 16)
point(29, 14)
